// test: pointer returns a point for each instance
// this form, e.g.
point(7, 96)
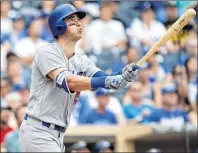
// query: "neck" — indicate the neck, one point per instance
point(169, 107)
point(100, 109)
point(136, 102)
point(67, 46)
point(34, 38)
point(4, 15)
point(191, 76)
point(145, 83)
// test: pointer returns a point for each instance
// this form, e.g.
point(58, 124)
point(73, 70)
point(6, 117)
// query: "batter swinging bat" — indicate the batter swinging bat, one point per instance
point(174, 29)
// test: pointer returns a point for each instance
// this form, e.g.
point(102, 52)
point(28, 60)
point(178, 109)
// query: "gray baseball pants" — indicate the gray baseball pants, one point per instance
point(34, 137)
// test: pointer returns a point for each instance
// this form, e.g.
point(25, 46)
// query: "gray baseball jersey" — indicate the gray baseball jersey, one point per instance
point(47, 102)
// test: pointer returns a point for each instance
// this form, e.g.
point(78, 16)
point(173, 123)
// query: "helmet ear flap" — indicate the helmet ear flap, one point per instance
point(61, 27)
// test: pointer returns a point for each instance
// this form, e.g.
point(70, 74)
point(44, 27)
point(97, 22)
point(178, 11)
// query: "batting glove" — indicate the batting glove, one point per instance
point(116, 82)
point(129, 72)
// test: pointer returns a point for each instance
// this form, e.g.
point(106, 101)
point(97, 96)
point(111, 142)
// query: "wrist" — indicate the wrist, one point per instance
point(98, 82)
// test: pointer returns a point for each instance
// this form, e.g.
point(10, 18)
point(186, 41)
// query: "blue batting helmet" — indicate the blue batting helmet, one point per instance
point(55, 20)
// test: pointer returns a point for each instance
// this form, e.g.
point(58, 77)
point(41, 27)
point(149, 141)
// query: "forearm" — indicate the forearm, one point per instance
point(78, 83)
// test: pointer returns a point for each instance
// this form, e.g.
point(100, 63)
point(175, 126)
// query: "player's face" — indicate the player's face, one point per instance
point(74, 28)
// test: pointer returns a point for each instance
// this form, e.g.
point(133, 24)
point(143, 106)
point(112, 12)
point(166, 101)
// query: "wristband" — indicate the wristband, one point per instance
point(98, 82)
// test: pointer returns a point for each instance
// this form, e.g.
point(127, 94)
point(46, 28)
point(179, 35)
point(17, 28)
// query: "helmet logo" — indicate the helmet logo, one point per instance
point(73, 8)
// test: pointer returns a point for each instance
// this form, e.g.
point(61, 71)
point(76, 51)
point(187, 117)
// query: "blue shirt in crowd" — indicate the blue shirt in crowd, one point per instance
point(131, 111)
point(104, 119)
point(81, 109)
point(12, 143)
point(161, 114)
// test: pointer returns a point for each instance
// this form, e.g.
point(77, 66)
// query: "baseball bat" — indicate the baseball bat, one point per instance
point(174, 29)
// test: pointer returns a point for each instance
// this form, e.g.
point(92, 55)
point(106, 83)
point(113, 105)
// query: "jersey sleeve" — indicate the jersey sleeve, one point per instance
point(47, 60)
point(91, 68)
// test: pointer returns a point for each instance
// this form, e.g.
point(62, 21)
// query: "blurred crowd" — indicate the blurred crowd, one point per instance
point(116, 33)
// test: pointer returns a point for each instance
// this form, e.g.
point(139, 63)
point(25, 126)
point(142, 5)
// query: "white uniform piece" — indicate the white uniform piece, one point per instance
point(48, 103)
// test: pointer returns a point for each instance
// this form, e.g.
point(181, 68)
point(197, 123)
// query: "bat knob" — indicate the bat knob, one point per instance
point(135, 67)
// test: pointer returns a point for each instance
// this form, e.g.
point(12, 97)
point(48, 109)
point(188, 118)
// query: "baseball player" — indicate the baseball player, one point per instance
point(58, 76)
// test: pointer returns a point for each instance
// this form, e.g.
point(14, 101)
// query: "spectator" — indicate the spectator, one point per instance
point(5, 89)
point(169, 114)
point(45, 30)
point(108, 33)
point(6, 23)
point(132, 55)
point(5, 127)
point(180, 79)
point(191, 67)
point(191, 44)
point(155, 69)
point(127, 11)
point(91, 7)
point(78, 4)
point(24, 93)
point(171, 13)
point(11, 56)
point(144, 32)
point(80, 146)
point(18, 31)
point(5, 48)
point(179, 74)
point(25, 73)
point(101, 115)
point(134, 108)
point(83, 45)
point(103, 146)
point(113, 104)
point(14, 74)
point(171, 57)
point(193, 114)
point(26, 47)
point(11, 139)
point(81, 111)
point(13, 99)
point(48, 6)
point(143, 78)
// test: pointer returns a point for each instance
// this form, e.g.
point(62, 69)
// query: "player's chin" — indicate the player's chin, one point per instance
point(78, 37)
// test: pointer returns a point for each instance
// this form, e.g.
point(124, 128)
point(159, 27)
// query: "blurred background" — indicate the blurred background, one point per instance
point(163, 98)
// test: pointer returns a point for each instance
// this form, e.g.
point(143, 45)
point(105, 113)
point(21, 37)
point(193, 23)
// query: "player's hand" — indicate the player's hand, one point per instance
point(129, 72)
point(115, 82)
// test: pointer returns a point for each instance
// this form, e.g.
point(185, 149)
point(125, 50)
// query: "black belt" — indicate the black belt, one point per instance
point(56, 127)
